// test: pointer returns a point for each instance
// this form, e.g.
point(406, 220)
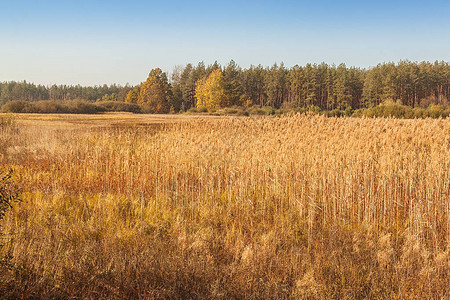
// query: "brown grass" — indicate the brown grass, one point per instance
point(301, 207)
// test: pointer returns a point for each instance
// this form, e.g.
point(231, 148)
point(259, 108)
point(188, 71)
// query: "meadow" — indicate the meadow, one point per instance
point(202, 207)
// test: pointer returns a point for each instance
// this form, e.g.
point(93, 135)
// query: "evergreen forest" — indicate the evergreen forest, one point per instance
point(204, 88)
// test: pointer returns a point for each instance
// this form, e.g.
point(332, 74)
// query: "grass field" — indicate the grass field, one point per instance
point(164, 207)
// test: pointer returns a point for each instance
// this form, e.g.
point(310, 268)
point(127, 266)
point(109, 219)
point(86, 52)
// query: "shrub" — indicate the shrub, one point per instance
point(358, 113)
point(434, 111)
point(387, 109)
point(256, 110)
point(16, 106)
point(8, 192)
point(47, 106)
point(191, 110)
point(82, 107)
point(314, 109)
point(53, 107)
point(268, 110)
point(8, 195)
point(418, 112)
point(112, 106)
point(348, 111)
point(229, 111)
point(301, 110)
point(243, 113)
point(397, 110)
point(148, 108)
point(334, 113)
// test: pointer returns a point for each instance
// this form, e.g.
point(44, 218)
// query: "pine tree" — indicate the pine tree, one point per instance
point(233, 86)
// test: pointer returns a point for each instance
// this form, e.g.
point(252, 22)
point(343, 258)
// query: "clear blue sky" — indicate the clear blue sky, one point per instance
point(96, 42)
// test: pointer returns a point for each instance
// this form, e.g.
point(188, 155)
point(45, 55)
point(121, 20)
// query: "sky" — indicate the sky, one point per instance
point(98, 42)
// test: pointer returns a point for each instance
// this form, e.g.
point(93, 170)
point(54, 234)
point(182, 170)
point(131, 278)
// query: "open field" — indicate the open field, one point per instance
point(164, 207)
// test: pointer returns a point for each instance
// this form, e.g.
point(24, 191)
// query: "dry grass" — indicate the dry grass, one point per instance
point(294, 207)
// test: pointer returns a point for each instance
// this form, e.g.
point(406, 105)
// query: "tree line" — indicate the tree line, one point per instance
point(326, 87)
point(31, 92)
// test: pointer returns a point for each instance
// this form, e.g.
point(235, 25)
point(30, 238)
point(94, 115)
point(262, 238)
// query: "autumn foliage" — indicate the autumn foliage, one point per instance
point(317, 87)
point(210, 92)
point(154, 94)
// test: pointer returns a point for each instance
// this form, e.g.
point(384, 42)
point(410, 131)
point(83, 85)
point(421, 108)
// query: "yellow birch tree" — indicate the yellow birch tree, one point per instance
point(210, 92)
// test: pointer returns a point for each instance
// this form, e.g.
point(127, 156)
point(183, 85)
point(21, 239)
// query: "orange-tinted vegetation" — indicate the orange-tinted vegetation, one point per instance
point(306, 207)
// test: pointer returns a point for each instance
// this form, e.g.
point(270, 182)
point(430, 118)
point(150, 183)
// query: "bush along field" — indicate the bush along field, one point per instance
point(300, 206)
point(388, 109)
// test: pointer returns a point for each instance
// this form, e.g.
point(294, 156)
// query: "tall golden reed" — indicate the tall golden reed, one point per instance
point(291, 207)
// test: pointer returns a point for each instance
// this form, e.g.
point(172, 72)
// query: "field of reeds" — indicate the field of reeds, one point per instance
point(291, 207)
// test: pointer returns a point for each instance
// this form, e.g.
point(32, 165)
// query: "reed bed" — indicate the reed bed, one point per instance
point(303, 207)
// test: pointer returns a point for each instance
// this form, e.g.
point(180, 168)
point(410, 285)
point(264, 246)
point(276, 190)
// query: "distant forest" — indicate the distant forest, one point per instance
point(327, 87)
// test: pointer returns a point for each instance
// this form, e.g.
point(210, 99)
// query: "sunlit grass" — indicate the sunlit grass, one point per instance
point(290, 207)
